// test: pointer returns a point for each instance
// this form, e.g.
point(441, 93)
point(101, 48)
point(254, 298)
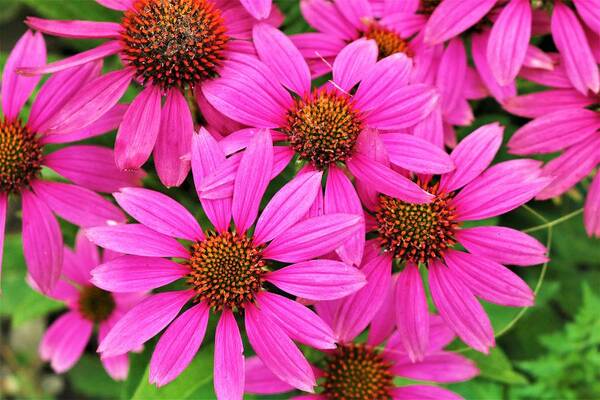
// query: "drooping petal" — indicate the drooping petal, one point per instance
point(459, 308)
point(136, 239)
point(326, 17)
point(138, 325)
point(178, 344)
point(355, 11)
point(479, 44)
point(452, 17)
point(591, 211)
point(42, 242)
point(77, 264)
point(313, 237)
point(451, 75)
point(442, 367)
point(318, 279)
point(260, 380)
point(119, 5)
point(76, 29)
point(159, 212)
point(137, 274)
point(116, 367)
point(546, 102)
point(229, 358)
point(416, 154)
point(260, 9)
point(423, 392)
point(589, 11)
point(353, 63)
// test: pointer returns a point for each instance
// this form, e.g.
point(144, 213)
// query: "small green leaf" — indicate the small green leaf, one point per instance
point(496, 366)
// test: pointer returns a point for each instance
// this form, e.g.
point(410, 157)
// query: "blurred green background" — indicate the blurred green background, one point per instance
point(551, 351)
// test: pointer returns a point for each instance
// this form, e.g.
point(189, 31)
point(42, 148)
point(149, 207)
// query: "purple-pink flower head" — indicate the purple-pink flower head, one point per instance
point(226, 270)
point(427, 234)
point(89, 306)
point(23, 155)
point(170, 47)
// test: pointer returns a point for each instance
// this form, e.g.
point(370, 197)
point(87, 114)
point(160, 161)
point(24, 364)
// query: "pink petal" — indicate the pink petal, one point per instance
point(277, 351)
point(451, 74)
point(29, 51)
point(416, 154)
point(313, 237)
point(229, 359)
point(404, 23)
point(106, 123)
point(431, 128)
point(278, 52)
point(178, 344)
point(453, 17)
point(138, 325)
point(443, 367)
point(116, 367)
point(92, 167)
point(95, 98)
point(78, 205)
point(174, 140)
point(473, 155)
point(536, 58)
point(423, 392)
point(159, 212)
point(549, 101)
point(260, 9)
point(42, 242)
point(355, 11)
point(574, 47)
point(318, 279)
point(136, 239)
point(503, 245)
point(259, 380)
point(591, 211)
point(354, 62)
point(64, 341)
point(341, 197)
point(207, 157)
point(509, 40)
point(251, 181)
point(119, 5)
point(76, 29)
point(138, 131)
point(412, 313)
point(326, 17)
point(299, 322)
point(489, 280)
point(287, 206)
point(137, 274)
point(386, 180)
point(589, 11)
point(78, 264)
point(459, 308)
point(382, 325)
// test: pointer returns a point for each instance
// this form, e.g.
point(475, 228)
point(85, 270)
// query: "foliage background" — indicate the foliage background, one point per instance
point(551, 352)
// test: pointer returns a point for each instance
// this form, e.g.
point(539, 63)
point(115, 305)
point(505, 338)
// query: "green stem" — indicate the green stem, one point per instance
point(554, 222)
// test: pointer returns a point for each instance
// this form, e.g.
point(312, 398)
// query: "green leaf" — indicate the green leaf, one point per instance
point(496, 366)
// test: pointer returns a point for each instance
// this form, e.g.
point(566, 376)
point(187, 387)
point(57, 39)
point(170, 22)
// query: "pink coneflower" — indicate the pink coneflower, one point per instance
point(22, 158)
point(338, 23)
point(225, 271)
point(366, 370)
point(564, 120)
point(89, 306)
point(325, 128)
point(170, 47)
point(427, 234)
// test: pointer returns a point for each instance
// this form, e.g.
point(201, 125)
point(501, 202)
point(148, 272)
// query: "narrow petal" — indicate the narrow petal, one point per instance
point(382, 325)
point(251, 181)
point(509, 40)
point(451, 74)
point(574, 47)
point(260, 380)
point(326, 17)
point(341, 197)
point(353, 63)
point(536, 58)
point(431, 128)
point(589, 11)
point(109, 121)
point(355, 11)
point(287, 206)
point(412, 313)
point(260, 9)
point(313, 237)
point(64, 342)
point(549, 101)
point(405, 23)
point(503, 245)
point(159, 212)
point(136, 239)
point(174, 140)
point(277, 351)
point(278, 52)
point(138, 325)
point(416, 154)
point(386, 180)
point(116, 367)
point(137, 274)
point(178, 344)
point(423, 392)
point(453, 17)
point(29, 51)
point(318, 279)
point(479, 44)
point(299, 322)
point(42, 242)
point(489, 280)
point(119, 5)
point(473, 155)
point(229, 359)
point(138, 131)
point(460, 309)
point(76, 29)
point(591, 211)
point(443, 367)
point(78, 205)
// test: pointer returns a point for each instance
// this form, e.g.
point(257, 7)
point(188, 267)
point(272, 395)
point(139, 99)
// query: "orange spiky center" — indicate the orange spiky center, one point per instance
point(416, 232)
point(357, 372)
point(20, 156)
point(323, 127)
point(174, 43)
point(96, 304)
point(226, 270)
point(388, 41)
